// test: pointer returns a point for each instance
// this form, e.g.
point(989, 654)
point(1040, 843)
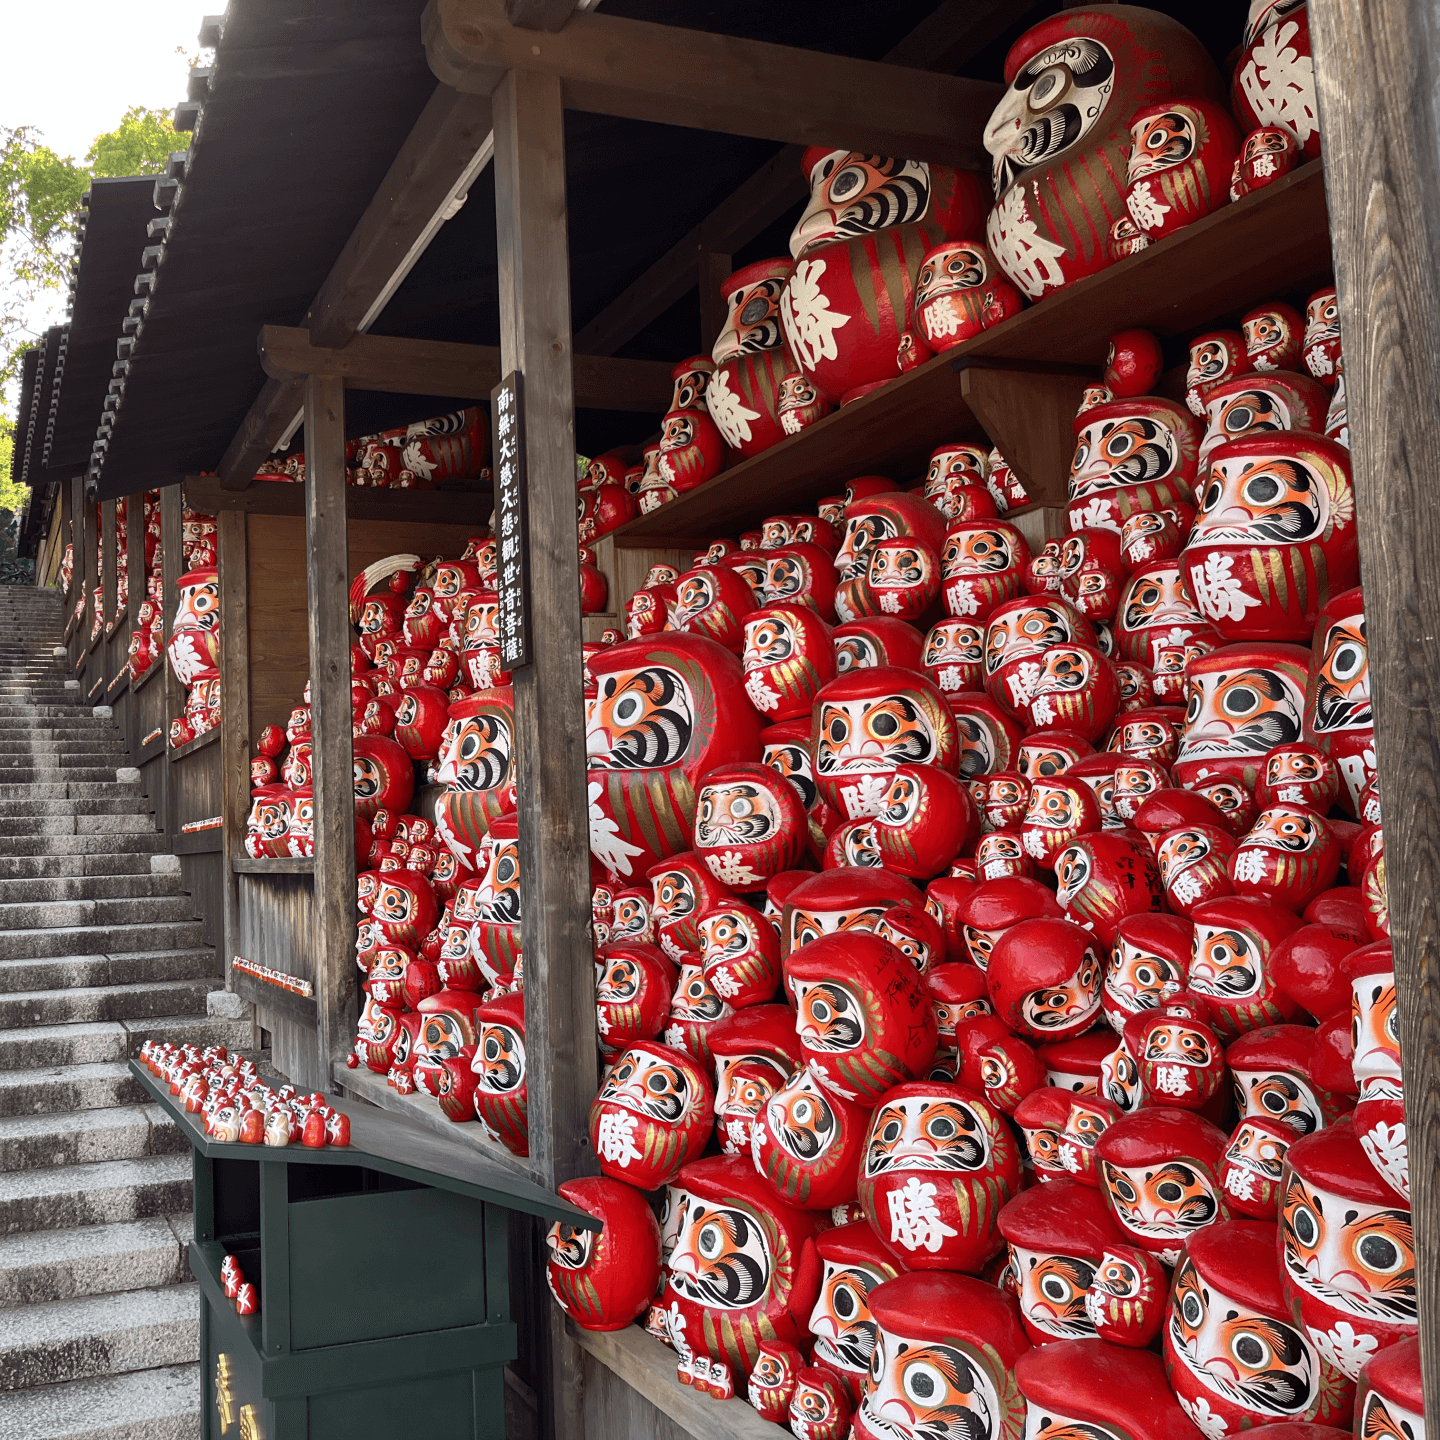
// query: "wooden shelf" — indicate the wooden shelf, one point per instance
point(273, 865)
point(197, 842)
point(1012, 382)
point(271, 497)
point(198, 743)
point(366, 1085)
point(157, 668)
point(646, 1365)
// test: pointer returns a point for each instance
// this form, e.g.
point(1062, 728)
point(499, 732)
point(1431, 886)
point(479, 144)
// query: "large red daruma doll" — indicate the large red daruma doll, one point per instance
point(944, 1362)
point(939, 1165)
point(1060, 137)
point(1274, 535)
point(869, 722)
point(857, 250)
point(478, 772)
point(668, 709)
point(744, 1269)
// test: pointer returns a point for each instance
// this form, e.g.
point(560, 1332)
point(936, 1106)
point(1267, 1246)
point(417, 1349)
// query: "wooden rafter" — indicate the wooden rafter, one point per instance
point(668, 75)
point(948, 36)
point(432, 367)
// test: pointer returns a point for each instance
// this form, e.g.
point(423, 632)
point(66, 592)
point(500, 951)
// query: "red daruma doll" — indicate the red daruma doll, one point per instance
point(604, 1279)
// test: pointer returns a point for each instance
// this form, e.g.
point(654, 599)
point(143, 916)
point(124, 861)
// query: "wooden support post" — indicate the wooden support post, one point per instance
point(230, 528)
point(549, 708)
point(327, 568)
point(1375, 63)
point(172, 561)
point(714, 270)
point(135, 548)
point(109, 579)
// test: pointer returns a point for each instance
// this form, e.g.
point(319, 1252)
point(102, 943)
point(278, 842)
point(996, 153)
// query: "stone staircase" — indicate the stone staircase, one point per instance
point(99, 951)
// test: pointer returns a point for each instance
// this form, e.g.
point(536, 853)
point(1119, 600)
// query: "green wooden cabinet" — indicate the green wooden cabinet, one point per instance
point(382, 1270)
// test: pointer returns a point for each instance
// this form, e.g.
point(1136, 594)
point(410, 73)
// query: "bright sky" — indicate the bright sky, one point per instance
point(73, 69)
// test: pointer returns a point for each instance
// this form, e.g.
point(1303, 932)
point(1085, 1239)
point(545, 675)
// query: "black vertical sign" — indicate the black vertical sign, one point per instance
point(512, 520)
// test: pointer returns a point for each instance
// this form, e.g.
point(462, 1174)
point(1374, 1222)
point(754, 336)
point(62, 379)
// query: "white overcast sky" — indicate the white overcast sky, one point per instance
point(73, 68)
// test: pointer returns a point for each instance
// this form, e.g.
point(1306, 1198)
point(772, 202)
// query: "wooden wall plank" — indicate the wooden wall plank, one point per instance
point(171, 568)
point(328, 584)
point(1375, 63)
point(560, 1034)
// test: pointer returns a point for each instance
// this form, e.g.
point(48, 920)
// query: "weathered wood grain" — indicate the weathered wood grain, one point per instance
point(235, 701)
point(328, 584)
point(1375, 63)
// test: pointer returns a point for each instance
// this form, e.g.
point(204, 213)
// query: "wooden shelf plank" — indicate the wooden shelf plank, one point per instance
point(198, 743)
point(365, 1085)
point(1242, 254)
point(271, 497)
point(646, 1365)
point(273, 865)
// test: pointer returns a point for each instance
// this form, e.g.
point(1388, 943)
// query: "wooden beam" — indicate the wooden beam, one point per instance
point(172, 535)
point(668, 75)
point(327, 569)
point(267, 420)
point(955, 31)
point(775, 188)
point(560, 1033)
point(713, 270)
point(437, 367)
point(451, 131)
point(1380, 115)
point(539, 14)
point(109, 571)
point(439, 156)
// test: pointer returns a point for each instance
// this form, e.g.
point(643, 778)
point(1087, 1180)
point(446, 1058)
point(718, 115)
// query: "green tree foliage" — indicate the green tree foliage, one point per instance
point(40, 195)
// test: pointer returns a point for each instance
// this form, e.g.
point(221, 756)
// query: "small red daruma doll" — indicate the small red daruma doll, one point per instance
point(1339, 715)
point(904, 576)
point(1044, 979)
point(1254, 1166)
point(954, 655)
point(744, 1269)
point(820, 1407)
point(925, 820)
point(1126, 1299)
point(1347, 1249)
point(1266, 155)
point(1148, 954)
point(750, 824)
point(1059, 812)
point(1182, 1061)
point(845, 1331)
point(1133, 363)
point(1274, 333)
point(1298, 774)
point(772, 1381)
point(1193, 862)
point(945, 1349)
point(788, 656)
point(1181, 154)
point(1289, 856)
point(1057, 1234)
point(939, 1163)
point(653, 1114)
point(806, 1141)
point(983, 563)
point(959, 292)
point(1231, 1350)
point(604, 1279)
point(1161, 1177)
point(864, 1018)
point(1229, 966)
point(740, 953)
point(1219, 355)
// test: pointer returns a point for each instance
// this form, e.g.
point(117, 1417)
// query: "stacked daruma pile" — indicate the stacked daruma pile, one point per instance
point(1010, 920)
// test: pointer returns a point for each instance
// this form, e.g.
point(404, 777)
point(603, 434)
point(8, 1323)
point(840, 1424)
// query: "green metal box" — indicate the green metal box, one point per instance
point(382, 1272)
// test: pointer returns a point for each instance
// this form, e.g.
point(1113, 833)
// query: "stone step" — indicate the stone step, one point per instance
point(24, 826)
point(75, 914)
point(93, 1260)
point(65, 1340)
point(37, 867)
point(85, 887)
point(67, 971)
point(29, 1047)
point(52, 774)
point(130, 804)
point(14, 767)
point(54, 1089)
point(100, 1194)
point(45, 942)
point(95, 844)
point(85, 1137)
point(46, 790)
point(83, 1004)
point(161, 1404)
